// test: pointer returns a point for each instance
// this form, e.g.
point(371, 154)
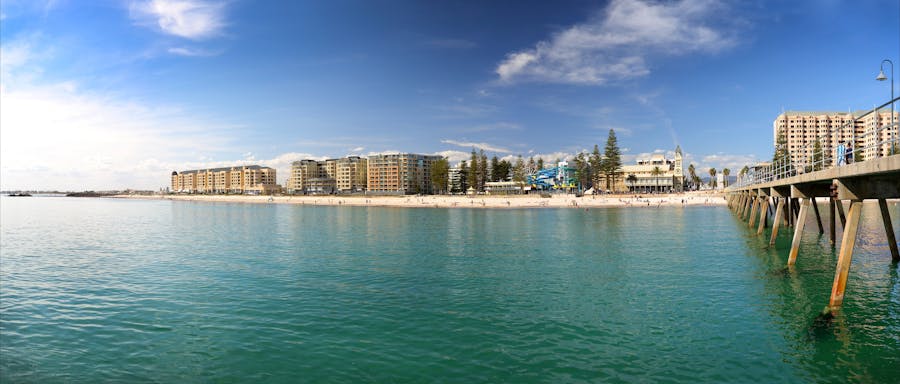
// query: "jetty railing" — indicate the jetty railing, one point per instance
point(818, 158)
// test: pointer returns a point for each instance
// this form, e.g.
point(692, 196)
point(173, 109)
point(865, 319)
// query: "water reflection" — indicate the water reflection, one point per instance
point(861, 338)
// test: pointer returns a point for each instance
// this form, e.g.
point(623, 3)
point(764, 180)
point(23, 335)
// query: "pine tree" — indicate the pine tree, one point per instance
point(596, 162)
point(439, 171)
point(482, 171)
point(612, 159)
point(781, 156)
point(582, 169)
point(472, 176)
point(817, 157)
point(464, 176)
point(519, 171)
point(495, 169)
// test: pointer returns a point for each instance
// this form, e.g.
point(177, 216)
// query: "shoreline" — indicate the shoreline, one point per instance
point(456, 201)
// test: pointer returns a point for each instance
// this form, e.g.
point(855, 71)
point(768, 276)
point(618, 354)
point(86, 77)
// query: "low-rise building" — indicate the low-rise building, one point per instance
point(655, 173)
point(247, 179)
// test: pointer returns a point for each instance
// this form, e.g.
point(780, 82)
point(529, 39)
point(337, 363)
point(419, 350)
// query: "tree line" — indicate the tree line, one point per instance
point(590, 168)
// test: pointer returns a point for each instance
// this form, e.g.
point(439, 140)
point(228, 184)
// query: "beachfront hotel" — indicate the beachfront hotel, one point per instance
point(655, 173)
point(246, 179)
point(800, 130)
point(344, 175)
point(400, 173)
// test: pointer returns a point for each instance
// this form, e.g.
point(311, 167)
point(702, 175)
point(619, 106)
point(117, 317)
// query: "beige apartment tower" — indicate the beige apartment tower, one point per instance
point(248, 179)
point(344, 175)
point(800, 130)
point(401, 173)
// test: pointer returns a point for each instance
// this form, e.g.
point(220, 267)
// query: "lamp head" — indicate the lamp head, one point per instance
point(881, 76)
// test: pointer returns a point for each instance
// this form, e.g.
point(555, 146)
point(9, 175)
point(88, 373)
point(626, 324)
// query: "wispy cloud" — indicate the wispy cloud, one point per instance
point(192, 52)
point(461, 108)
point(618, 43)
point(484, 146)
point(191, 19)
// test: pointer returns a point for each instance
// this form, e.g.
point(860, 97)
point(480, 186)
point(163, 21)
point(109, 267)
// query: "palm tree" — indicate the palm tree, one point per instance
point(712, 178)
point(631, 179)
point(743, 172)
point(656, 171)
point(726, 172)
point(693, 173)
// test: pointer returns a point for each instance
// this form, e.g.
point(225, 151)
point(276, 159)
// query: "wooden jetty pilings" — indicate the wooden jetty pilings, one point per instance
point(794, 197)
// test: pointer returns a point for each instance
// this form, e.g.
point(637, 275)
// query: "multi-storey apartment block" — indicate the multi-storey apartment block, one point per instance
point(345, 175)
point(401, 173)
point(249, 179)
point(456, 179)
point(801, 129)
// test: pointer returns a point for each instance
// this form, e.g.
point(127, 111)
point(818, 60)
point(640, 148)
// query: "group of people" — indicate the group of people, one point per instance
point(844, 154)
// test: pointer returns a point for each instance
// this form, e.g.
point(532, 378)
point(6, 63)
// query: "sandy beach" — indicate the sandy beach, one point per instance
point(480, 201)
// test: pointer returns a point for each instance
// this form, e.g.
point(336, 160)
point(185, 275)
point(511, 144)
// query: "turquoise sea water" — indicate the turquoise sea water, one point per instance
point(106, 290)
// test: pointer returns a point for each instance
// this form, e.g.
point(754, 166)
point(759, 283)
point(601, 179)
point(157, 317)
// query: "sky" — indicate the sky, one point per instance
point(102, 95)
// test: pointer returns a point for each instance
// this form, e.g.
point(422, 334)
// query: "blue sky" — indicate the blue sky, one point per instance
point(117, 94)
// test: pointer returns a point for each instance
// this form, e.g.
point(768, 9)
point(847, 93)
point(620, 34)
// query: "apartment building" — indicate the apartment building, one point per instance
point(248, 179)
point(344, 175)
point(802, 128)
point(400, 173)
point(456, 179)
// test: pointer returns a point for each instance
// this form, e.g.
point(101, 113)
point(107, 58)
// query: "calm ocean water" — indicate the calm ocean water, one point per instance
point(105, 290)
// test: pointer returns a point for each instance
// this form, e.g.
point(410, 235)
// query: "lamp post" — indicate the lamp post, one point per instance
point(882, 77)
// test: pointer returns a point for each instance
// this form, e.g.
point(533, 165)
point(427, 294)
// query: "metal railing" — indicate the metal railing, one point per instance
point(818, 154)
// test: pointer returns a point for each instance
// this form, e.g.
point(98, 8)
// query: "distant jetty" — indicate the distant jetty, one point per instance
point(91, 194)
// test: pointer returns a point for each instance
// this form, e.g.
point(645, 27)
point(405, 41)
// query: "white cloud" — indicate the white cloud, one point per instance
point(56, 137)
point(357, 149)
point(454, 157)
point(618, 43)
point(551, 157)
point(733, 162)
point(385, 152)
point(484, 146)
point(192, 19)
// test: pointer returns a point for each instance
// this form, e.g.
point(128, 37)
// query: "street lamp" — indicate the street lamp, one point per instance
point(882, 77)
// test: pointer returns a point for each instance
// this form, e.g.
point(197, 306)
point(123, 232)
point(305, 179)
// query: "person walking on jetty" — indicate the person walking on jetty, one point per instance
point(848, 154)
point(841, 154)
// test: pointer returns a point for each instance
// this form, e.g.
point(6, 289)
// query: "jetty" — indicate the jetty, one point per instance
point(783, 192)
